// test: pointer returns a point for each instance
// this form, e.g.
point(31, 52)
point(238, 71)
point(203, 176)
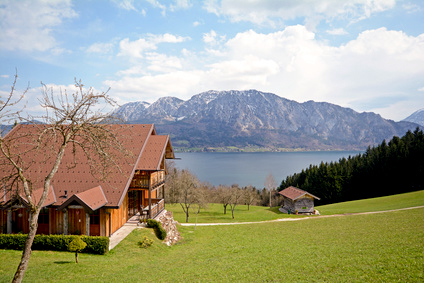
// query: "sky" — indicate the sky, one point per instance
point(367, 55)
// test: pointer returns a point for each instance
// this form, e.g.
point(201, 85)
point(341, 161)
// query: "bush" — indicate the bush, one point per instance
point(160, 233)
point(145, 243)
point(151, 223)
point(77, 245)
point(157, 226)
point(95, 244)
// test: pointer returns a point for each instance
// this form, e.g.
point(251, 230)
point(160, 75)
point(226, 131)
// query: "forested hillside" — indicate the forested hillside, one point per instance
point(390, 168)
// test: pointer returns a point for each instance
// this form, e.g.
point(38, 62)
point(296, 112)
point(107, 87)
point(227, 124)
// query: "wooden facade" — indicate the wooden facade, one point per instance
point(98, 209)
point(297, 201)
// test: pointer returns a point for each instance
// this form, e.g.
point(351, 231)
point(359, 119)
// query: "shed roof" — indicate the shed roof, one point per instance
point(294, 193)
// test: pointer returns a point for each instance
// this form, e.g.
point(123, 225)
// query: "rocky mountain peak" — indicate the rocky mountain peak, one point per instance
point(416, 117)
point(254, 118)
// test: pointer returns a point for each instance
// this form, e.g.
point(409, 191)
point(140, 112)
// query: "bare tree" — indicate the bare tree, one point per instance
point(203, 197)
point(223, 196)
point(171, 192)
point(70, 121)
point(236, 195)
point(250, 196)
point(188, 193)
point(9, 110)
point(270, 185)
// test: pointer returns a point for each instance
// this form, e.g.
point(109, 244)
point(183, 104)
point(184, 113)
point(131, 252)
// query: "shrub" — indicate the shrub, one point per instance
point(157, 226)
point(160, 233)
point(12, 241)
point(95, 244)
point(145, 243)
point(76, 245)
point(151, 223)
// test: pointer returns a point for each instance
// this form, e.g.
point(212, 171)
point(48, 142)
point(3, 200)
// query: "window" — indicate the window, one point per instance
point(43, 217)
point(95, 217)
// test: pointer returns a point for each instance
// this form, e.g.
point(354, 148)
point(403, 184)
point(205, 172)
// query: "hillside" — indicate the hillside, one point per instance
point(256, 119)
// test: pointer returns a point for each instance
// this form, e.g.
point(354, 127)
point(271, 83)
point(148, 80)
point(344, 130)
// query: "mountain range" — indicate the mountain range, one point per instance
point(253, 119)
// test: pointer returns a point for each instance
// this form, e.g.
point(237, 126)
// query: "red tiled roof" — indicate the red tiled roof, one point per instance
point(153, 153)
point(51, 197)
point(92, 199)
point(294, 193)
point(137, 139)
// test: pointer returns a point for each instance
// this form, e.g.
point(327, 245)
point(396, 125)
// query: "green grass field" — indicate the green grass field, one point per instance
point(215, 212)
point(385, 247)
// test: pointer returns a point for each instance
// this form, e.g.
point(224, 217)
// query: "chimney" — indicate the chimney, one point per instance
point(66, 194)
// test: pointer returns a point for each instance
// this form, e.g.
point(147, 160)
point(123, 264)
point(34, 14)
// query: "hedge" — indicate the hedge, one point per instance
point(95, 244)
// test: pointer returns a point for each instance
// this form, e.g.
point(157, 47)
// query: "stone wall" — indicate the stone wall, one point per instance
point(170, 225)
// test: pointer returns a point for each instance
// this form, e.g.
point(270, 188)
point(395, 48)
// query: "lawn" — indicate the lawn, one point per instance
point(215, 212)
point(383, 247)
point(375, 204)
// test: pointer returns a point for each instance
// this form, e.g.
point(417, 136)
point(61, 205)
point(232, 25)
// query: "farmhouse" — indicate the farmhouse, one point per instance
point(297, 200)
point(80, 203)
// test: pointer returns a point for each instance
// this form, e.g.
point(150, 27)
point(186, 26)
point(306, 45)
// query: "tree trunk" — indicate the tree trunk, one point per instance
point(26, 254)
point(232, 210)
point(225, 209)
point(76, 257)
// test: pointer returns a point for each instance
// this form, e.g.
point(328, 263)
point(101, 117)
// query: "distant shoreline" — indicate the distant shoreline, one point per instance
point(259, 149)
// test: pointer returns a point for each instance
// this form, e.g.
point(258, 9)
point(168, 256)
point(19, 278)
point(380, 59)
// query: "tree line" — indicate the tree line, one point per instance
point(389, 168)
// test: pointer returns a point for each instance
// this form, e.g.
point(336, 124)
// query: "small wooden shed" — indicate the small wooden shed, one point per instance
point(297, 200)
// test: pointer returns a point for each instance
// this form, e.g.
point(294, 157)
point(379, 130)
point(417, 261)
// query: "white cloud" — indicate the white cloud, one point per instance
point(411, 8)
point(100, 48)
point(270, 12)
point(379, 65)
point(29, 25)
point(163, 63)
point(174, 6)
point(125, 4)
point(213, 38)
point(137, 48)
point(337, 31)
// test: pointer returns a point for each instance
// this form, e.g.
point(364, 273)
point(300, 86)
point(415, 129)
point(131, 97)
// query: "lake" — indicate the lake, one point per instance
point(244, 169)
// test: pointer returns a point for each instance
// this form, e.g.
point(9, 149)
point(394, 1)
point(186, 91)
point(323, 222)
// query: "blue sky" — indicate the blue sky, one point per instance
point(364, 54)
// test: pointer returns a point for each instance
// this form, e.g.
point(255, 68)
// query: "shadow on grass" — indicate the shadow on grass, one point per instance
point(275, 209)
point(63, 262)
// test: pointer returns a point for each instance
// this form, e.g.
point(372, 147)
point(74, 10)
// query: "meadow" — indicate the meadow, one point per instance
point(215, 212)
point(383, 247)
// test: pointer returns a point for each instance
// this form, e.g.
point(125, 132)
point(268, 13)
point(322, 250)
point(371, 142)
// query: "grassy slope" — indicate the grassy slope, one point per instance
point(375, 204)
point(380, 247)
point(215, 212)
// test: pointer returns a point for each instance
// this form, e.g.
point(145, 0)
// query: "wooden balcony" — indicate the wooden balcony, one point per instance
point(157, 206)
point(142, 181)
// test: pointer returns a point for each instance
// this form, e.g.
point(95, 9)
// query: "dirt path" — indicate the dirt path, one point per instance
point(299, 219)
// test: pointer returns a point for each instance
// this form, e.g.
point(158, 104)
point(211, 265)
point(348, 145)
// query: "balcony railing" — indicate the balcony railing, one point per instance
point(143, 183)
point(157, 206)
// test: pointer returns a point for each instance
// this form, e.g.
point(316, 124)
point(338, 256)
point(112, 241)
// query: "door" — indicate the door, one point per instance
point(43, 222)
point(95, 223)
point(76, 221)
